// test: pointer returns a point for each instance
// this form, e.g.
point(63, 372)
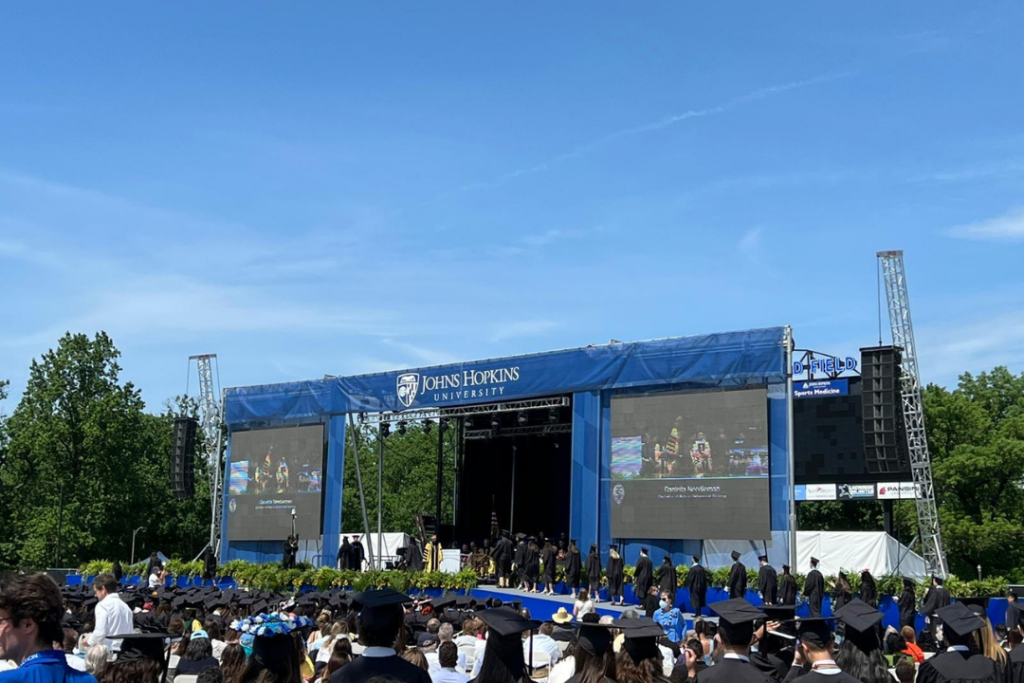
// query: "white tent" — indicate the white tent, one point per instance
point(856, 550)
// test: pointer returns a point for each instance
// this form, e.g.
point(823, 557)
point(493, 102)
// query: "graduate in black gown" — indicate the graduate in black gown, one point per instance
point(774, 654)
point(1016, 622)
point(736, 619)
point(767, 581)
point(594, 571)
point(357, 554)
point(291, 549)
point(549, 558)
point(595, 656)
point(667, 581)
point(737, 583)
point(502, 555)
point(532, 561)
point(640, 657)
point(697, 584)
point(860, 654)
point(935, 598)
point(503, 657)
point(414, 555)
point(519, 561)
point(787, 587)
point(815, 653)
point(907, 602)
point(814, 589)
point(643, 579)
point(841, 591)
point(868, 588)
point(961, 661)
point(573, 564)
point(615, 575)
point(344, 554)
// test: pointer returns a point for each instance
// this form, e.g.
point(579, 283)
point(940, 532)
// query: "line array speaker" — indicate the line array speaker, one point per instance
point(881, 400)
point(183, 457)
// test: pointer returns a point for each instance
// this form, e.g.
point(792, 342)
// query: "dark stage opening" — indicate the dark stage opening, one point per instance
point(518, 465)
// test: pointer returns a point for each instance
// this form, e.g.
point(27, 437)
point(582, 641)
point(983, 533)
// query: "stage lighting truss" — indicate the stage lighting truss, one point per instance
point(532, 430)
point(485, 409)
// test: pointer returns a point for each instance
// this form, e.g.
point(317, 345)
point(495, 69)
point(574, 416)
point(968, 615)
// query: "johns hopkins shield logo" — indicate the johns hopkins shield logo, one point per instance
point(408, 385)
point(618, 494)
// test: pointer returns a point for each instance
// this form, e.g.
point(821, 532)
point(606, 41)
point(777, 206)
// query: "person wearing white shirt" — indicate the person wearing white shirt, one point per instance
point(583, 605)
point(444, 634)
point(448, 656)
point(543, 642)
point(112, 615)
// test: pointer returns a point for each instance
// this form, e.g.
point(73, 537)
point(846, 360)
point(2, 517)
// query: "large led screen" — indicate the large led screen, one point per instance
point(690, 465)
point(273, 472)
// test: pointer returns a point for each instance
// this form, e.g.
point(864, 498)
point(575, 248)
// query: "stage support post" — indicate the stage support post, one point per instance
point(440, 477)
point(362, 496)
point(380, 498)
point(787, 339)
point(887, 507)
point(512, 507)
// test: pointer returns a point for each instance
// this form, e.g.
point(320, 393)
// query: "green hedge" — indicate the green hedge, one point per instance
point(273, 577)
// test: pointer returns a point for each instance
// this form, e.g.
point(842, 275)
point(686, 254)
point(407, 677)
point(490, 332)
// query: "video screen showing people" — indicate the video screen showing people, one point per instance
point(690, 465)
point(273, 472)
point(690, 436)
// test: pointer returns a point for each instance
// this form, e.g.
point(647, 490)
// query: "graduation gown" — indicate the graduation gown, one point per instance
point(532, 562)
point(737, 583)
point(814, 591)
point(956, 666)
point(520, 560)
point(344, 556)
point(432, 557)
point(697, 584)
point(869, 591)
point(732, 671)
point(936, 598)
point(364, 668)
point(839, 597)
point(415, 556)
point(787, 590)
point(668, 583)
point(572, 567)
point(356, 556)
point(908, 607)
point(1016, 673)
point(594, 571)
point(615, 574)
point(644, 577)
point(817, 677)
point(550, 558)
point(767, 584)
point(502, 555)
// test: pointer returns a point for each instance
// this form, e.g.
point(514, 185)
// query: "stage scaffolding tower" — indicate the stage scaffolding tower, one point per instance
point(211, 421)
point(895, 278)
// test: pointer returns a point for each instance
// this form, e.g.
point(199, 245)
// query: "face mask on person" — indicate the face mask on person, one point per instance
point(663, 604)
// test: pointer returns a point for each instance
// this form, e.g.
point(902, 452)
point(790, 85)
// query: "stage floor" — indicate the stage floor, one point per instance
point(543, 607)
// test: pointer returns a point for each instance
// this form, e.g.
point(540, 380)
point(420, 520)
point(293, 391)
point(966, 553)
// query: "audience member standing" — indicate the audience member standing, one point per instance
point(112, 614)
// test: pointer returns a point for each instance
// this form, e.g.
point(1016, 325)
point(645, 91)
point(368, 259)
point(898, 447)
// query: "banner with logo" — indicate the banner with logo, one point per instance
point(902, 490)
point(716, 360)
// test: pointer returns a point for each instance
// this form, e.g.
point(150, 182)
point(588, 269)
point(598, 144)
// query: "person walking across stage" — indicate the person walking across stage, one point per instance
point(573, 564)
point(868, 588)
point(814, 589)
point(344, 554)
point(30, 623)
point(616, 576)
point(935, 599)
point(519, 562)
point(502, 555)
point(643, 579)
point(767, 581)
point(356, 555)
point(414, 555)
point(697, 584)
point(291, 549)
point(787, 587)
point(667, 581)
point(593, 568)
point(433, 555)
point(737, 583)
point(842, 591)
point(907, 603)
point(549, 557)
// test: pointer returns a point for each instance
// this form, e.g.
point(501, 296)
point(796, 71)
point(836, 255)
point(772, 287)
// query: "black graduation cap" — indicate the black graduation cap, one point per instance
point(644, 550)
point(380, 599)
point(860, 619)
point(735, 555)
point(959, 619)
point(785, 567)
point(816, 631)
point(259, 607)
point(762, 558)
point(515, 605)
point(137, 647)
point(978, 605)
point(594, 638)
point(443, 603)
point(505, 622)
point(814, 560)
point(736, 619)
point(641, 638)
point(1018, 610)
point(464, 602)
point(784, 615)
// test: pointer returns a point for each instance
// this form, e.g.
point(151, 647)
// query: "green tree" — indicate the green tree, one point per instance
point(410, 474)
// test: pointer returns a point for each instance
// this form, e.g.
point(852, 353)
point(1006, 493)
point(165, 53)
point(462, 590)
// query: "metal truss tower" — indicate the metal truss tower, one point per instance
point(210, 420)
point(913, 409)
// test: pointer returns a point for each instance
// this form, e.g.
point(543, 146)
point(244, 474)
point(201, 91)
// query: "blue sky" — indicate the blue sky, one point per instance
point(336, 188)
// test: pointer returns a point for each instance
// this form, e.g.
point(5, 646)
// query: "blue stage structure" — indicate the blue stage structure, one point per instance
point(593, 375)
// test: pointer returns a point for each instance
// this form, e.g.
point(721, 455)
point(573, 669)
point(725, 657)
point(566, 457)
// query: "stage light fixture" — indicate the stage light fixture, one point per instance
point(362, 417)
point(427, 424)
point(495, 420)
point(468, 422)
point(553, 415)
point(442, 424)
point(522, 417)
point(401, 428)
point(385, 429)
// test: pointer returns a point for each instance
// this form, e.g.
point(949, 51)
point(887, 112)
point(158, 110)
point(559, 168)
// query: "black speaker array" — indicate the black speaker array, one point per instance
point(881, 397)
point(183, 457)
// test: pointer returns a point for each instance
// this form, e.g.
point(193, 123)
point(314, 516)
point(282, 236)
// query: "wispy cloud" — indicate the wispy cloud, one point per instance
point(1006, 228)
point(650, 127)
point(19, 251)
point(951, 348)
point(750, 241)
point(420, 355)
point(521, 328)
